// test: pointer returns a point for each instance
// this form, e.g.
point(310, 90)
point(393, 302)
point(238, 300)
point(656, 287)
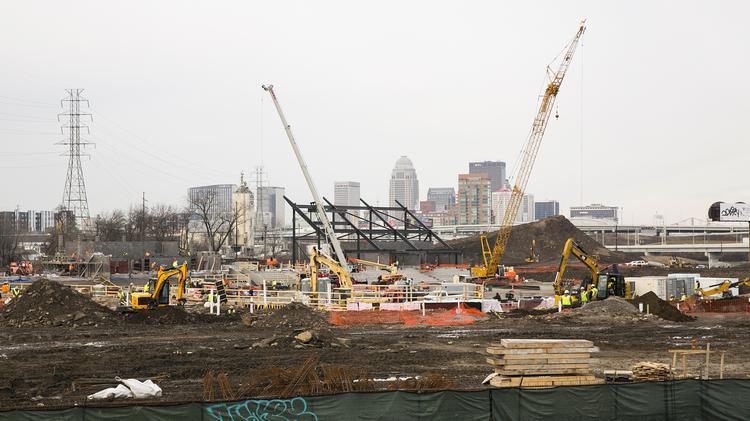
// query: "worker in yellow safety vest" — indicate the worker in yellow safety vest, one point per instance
point(566, 301)
point(146, 287)
point(594, 293)
point(16, 291)
point(584, 295)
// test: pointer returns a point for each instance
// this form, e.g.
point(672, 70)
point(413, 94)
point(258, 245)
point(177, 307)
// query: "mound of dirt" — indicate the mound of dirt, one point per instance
point(612, 311)
point(612, 306)
point(49, 303)
point(661, 308)
point(550, 235)
point(175, 315)
point(291, 316)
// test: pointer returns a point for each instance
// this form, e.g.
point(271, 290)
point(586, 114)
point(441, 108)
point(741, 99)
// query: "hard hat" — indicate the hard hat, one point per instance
point(567, 292)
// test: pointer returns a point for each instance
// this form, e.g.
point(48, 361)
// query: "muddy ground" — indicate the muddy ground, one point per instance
point(40, 364)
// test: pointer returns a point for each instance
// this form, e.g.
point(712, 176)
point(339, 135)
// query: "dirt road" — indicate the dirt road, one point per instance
point(40, 364)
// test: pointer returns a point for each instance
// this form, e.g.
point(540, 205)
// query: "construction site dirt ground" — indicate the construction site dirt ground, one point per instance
point(40, 364)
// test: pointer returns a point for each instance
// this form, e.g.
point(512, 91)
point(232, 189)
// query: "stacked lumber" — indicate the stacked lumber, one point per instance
point(648, 371)
point(541, 362)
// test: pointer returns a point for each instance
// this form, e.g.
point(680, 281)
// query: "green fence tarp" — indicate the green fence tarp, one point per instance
point(681, 400)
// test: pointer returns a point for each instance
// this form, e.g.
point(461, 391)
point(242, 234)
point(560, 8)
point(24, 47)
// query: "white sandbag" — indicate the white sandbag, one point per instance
point(121, 391)
point(141, 389)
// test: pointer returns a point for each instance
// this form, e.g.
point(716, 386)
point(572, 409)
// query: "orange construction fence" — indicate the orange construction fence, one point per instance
point(458, 316)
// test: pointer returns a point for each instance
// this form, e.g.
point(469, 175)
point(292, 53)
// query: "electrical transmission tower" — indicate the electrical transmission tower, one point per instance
point(74, 195)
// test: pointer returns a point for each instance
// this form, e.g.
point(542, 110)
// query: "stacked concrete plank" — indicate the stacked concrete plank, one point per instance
point(541, 362)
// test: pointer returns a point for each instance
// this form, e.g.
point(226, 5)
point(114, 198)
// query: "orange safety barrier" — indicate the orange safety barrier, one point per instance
point(459, 316)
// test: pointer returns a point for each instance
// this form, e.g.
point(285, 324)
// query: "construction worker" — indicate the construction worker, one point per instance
point(16, 291)
point(584, 296)
point(146, 287)
point(5, 288)
point(566, 301)
point(121, 296)
point(683, 297)
point(594, 293)
point(174, 263)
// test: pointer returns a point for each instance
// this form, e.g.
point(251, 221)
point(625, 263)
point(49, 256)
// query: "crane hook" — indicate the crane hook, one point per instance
point(557, 113)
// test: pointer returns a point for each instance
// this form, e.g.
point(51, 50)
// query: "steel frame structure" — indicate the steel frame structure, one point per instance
point(386, 229)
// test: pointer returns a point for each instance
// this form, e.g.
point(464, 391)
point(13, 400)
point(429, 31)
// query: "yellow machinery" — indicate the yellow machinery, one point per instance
point(158, 293)
point(604, 281)
point(392, 276)
point(492, 257)
point(318, 258)
point(393, 269)
point(722, 288)
point(533, 255)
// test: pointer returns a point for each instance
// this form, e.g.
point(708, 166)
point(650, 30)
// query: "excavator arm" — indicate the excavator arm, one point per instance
point(163, 275)
point(318, 258)
point(571, 247)
point(392, 269)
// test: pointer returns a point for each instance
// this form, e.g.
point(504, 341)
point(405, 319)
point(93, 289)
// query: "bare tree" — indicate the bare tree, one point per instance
point(110, 226)
point(8, 238)
point(165, 223)
point(218, 223)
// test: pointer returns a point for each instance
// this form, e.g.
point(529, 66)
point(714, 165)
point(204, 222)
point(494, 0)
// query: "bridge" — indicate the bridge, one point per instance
point(460, 231)
point(712, 250)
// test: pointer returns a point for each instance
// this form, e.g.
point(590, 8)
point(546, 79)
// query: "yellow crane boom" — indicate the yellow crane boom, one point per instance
point(526, 163)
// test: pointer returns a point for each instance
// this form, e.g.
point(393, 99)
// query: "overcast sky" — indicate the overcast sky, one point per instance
point(656, 98)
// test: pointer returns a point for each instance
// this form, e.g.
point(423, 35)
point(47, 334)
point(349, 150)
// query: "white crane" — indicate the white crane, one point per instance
point(314, 191)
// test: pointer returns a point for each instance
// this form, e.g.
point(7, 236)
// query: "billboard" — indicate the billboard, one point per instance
point(729, 212)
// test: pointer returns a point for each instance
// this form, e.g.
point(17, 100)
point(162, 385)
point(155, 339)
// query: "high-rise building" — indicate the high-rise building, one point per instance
point(243, 202)
point(594, 211)
point(404, 186)
point(220, 196)
point(31, 220)
point(346, 193)
point(444, 197)
point(270, 205)
point(546, 208)
point(500, 202)
point(473, 202)
point(495, 170)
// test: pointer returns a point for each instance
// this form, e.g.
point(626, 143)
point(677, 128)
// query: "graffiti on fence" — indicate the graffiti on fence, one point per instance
point(261, 410)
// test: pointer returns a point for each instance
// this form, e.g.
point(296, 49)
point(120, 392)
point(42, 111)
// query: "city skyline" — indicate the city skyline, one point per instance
point(145, 144)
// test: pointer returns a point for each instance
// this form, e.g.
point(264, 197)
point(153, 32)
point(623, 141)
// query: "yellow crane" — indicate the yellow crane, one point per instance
point(493, 256)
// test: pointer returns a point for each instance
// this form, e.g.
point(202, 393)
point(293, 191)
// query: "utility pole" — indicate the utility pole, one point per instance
point(143, 217)
point(74, 194)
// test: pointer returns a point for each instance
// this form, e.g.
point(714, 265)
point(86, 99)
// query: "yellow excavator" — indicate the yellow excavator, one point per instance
point(722, 288)
point(158, 291)
point(318, 258)
point(533, 254)
point(605, 281)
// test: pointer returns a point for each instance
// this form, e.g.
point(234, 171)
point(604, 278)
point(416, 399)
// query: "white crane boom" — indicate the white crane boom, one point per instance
point(314, 191)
